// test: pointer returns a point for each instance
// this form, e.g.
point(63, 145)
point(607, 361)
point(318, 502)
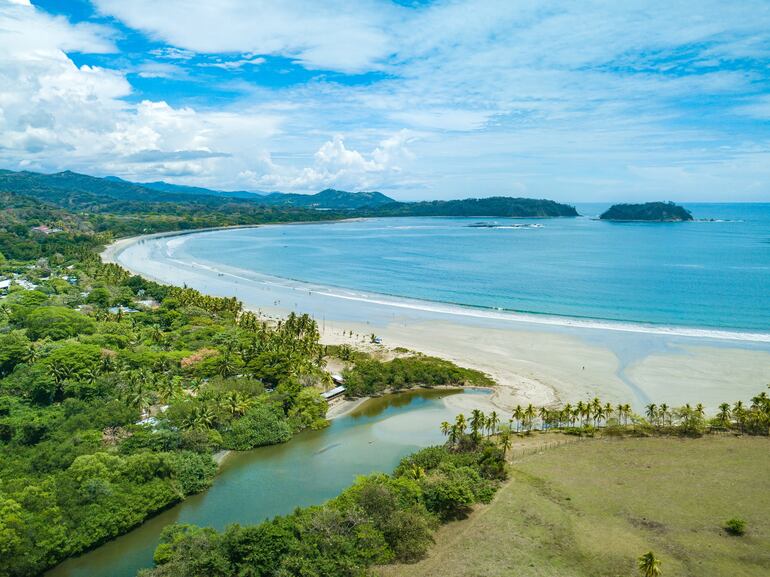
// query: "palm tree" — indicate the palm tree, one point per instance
point(607, 412)
point(739, 412)
point(493, 422)
point(664, 413)
point(596, 408)
point(626, 413)
point(649, 565)
point(529, 416)
point(505, 442)
point(445, 428)
point(454, 434)
point(477, 422)
point(724, 415)
point(567, 411)
point(518, 414)
point(237, 403)
point(460, 424)
point(543, 414)
point(652, 413)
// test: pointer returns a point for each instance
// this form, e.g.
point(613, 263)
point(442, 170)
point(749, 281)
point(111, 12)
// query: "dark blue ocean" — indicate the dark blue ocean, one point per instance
point(711, 273)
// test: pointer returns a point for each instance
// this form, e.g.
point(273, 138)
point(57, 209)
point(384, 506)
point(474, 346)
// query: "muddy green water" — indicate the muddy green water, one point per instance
point(311, 468)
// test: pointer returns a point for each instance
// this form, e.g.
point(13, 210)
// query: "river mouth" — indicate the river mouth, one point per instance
point(312, 467)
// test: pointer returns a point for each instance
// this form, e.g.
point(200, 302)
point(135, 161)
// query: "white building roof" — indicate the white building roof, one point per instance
point(333, 392)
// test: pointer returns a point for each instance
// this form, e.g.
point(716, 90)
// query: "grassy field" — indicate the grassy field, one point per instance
point(589, 509)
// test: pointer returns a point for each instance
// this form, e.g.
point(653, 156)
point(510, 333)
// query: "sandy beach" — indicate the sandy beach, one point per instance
point(543, 361)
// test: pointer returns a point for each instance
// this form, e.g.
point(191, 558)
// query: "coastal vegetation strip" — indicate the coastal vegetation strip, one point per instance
point(115, 391)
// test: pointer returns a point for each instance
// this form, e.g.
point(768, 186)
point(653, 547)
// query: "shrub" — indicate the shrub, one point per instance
point(262, 425)
point(736, 526)
point(193, 471)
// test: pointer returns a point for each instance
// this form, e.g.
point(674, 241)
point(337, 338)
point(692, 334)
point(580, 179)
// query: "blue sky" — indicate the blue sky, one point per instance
point(576, 101)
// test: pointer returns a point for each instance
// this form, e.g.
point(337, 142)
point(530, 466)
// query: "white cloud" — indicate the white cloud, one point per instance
point(568, 100)
point(333, 35)
point(336, 165)
point(234, 64)
point(56, 115)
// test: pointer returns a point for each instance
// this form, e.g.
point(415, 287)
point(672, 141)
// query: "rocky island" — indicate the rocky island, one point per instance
point(650, 211)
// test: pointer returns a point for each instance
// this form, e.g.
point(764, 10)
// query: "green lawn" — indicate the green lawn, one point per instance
point(589, 509)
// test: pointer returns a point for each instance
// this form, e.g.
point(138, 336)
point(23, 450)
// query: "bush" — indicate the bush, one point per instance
point(262, 425)
point(193, 471)
point(57, 323)
point(736, 527)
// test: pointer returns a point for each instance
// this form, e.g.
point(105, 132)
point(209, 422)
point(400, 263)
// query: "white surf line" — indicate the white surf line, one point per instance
point(459, 310)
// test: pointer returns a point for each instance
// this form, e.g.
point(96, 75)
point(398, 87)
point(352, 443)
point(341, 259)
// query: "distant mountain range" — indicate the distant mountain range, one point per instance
point(79, 191)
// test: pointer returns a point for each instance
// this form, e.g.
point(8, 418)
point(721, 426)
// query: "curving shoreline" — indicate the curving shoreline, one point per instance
point(534, 358)
point(113, 251)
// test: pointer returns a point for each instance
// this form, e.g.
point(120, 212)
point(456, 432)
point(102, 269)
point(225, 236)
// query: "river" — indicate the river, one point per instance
point(311, 468)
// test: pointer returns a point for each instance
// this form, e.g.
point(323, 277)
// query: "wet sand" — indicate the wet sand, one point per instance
point(543, 361)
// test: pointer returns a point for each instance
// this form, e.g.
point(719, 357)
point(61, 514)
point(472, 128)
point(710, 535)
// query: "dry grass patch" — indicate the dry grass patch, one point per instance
point(589, 509)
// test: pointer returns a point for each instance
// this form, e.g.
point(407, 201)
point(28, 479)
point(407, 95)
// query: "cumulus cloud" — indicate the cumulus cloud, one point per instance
point(56, 115)
point(336, 165)
point(572, 100)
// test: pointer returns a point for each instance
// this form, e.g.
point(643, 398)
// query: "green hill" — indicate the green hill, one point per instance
point(330, 199)
point(82, 192)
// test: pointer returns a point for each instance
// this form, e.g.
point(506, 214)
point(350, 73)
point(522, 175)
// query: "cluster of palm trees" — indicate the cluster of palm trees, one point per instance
point(209, 411)
point(583, 414)
point(478, 426)
point(108, 272)
point(217, 305)
point(753, 419)
point(142, 388)
point(688, 419)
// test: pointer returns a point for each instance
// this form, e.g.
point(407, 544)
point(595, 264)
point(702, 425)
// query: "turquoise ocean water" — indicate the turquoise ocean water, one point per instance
point(712, 273)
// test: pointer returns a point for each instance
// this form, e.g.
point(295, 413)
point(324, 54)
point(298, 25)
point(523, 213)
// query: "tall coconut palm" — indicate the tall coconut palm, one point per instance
point(460, 424)
point(505, 442)
point(543, 414)
point(739, 412)
point(477, 423)
point(494, 421)
point(596, 409)
point(649, 565)
point(567, 414)
point(518, 414)
point(724, 415)
point(529, 416)
point(664, 413)
point(651, 411)
point(626, 413)
point(607, 412)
